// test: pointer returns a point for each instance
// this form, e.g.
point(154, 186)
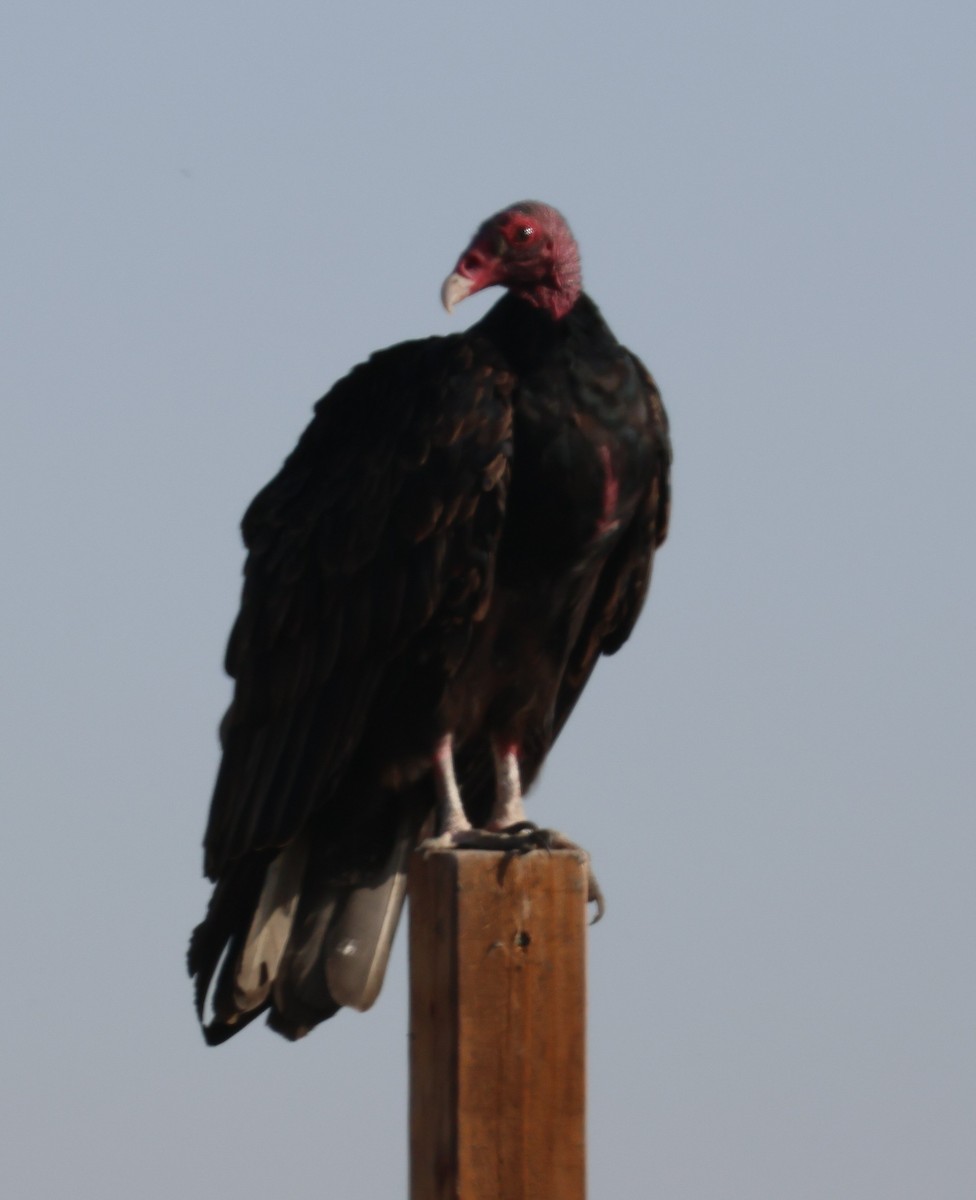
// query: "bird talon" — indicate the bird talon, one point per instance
point(594, 895)
point(520, 827)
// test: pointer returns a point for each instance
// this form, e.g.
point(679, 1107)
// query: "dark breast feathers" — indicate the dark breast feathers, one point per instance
point(465, 527)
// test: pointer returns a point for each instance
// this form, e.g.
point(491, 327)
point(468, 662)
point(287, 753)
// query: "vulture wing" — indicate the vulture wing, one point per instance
point(376, 539)
point(626, 577)
point(370, 560)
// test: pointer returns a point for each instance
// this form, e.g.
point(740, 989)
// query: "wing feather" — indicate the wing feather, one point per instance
point(379, 530)
point(625, 580)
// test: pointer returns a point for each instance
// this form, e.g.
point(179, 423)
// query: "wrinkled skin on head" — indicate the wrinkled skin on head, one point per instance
point(527, 248)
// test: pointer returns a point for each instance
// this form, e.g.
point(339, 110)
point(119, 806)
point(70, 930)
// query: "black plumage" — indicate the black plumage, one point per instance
point(466, 525)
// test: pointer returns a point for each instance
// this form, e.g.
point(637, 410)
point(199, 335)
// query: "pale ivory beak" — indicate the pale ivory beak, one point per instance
point(455, 288)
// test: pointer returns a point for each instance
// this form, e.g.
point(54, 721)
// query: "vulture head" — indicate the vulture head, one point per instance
point(527, 248)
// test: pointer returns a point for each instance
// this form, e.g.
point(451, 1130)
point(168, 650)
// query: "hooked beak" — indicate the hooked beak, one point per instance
point(477, 268)
point(456, 288)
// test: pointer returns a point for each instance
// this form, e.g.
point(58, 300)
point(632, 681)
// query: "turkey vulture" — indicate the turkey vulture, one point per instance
point(466, 525)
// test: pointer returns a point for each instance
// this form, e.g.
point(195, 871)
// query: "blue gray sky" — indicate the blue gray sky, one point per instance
point(210, 212)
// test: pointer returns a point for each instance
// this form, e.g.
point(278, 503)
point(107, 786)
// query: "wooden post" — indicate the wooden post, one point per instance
point(497, 1026)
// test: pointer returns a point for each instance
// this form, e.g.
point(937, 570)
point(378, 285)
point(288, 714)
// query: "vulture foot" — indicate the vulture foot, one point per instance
point(521, 838)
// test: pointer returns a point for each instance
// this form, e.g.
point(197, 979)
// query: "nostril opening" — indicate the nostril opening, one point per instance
point(472, 261)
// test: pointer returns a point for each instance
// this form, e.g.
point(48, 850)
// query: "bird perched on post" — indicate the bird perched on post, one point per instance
point(466, 525)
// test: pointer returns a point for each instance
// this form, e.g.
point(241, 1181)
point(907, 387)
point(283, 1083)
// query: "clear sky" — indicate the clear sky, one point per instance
point(213, 210)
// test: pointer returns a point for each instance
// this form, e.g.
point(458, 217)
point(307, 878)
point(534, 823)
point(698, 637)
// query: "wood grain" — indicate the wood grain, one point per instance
point(497, 1026)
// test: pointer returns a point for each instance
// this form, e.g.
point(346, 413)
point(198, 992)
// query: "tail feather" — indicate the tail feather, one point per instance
point(292, 938)
point(217, 939)
point(271, 927)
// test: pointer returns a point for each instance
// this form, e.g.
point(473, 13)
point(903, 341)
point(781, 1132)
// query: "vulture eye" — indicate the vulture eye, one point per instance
point(524, 233)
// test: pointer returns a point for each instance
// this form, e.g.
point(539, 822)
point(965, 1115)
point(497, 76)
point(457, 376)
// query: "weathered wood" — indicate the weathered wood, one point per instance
point(497, 1026)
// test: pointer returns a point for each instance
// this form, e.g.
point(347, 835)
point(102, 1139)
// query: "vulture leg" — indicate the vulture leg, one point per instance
point(454, 829)
point(509, 809)
point(508, 820)
point(451, 817)
point(507, 830)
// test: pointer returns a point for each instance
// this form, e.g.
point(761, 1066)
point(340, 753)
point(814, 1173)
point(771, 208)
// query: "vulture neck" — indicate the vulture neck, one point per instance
point(527, 334)
point(564, 285)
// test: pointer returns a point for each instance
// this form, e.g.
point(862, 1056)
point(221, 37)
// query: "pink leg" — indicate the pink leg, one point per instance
point(451, 817)
point(455, 831)
point(508, 809)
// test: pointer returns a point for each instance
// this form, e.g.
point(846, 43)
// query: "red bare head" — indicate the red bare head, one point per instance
point(527, 248)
